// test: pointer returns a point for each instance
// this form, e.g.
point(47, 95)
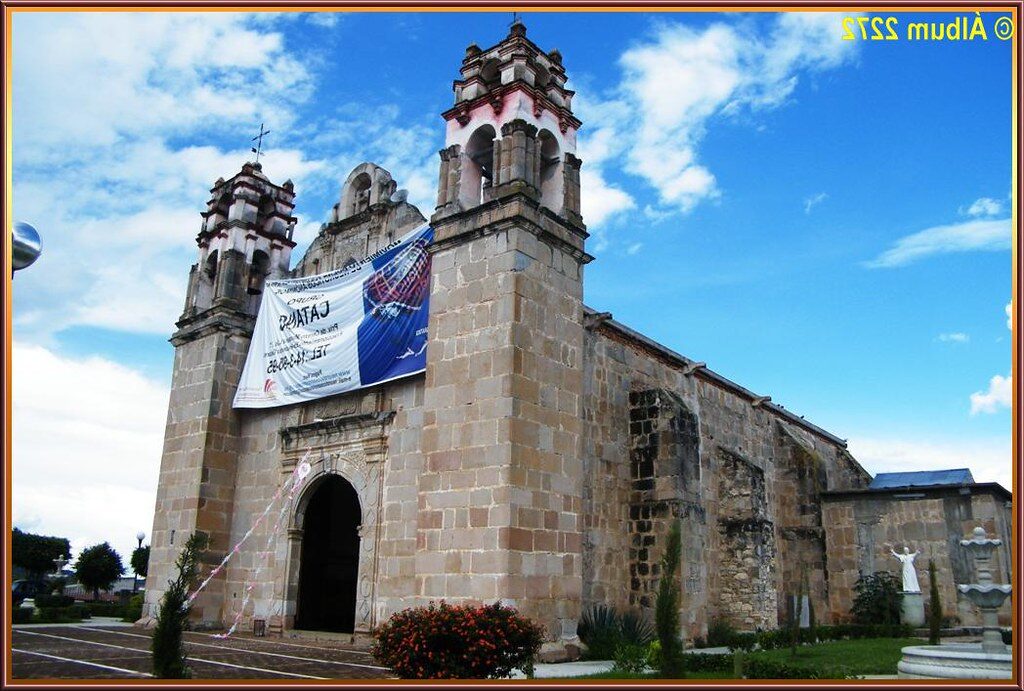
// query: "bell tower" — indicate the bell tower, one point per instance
point(245, 238)
point(511, 129)
point(501, 487)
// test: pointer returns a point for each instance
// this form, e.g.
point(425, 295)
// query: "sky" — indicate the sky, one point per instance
point(826, 222)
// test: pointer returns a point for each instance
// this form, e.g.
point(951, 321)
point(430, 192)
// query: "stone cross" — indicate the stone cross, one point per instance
point(60, 562)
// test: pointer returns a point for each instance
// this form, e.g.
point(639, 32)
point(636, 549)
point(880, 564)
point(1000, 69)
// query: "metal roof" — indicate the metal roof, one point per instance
point(923, 478)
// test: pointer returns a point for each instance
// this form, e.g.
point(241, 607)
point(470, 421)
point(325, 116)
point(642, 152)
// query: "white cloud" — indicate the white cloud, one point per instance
point(600, 144)
point(999, 395)
point(599, 201)
point(813, 201)
point(986, 206)
point(989, 459)
point(970, 236)
point(682, 79)
point(634, 248)
point(1009, 315)
point(167, 72)
point(954, 337)
point(87, 437)
point(328, 20)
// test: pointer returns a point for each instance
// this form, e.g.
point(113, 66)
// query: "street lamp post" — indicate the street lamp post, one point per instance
point(25, 245)
point(140, 536)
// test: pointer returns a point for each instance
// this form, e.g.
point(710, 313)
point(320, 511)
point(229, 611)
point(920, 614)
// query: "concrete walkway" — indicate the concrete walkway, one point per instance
point(561, 670)
point(106, 622)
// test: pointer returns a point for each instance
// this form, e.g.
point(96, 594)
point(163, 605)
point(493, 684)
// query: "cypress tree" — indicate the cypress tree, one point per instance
point(934, 606)
point(168, 646)
point(666, 607)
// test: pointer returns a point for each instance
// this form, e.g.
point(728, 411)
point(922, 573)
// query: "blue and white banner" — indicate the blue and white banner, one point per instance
point(347, 329)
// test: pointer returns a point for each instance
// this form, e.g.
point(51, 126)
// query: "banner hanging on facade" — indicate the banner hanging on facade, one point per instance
point(347, 329)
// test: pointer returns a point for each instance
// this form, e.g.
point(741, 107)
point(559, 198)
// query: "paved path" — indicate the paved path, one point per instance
point(87, 651)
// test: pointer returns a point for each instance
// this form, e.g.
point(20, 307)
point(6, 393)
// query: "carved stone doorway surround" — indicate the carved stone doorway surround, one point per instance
point(355, 448)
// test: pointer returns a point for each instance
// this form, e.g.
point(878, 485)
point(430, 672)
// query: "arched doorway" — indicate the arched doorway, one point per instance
point(329, 569)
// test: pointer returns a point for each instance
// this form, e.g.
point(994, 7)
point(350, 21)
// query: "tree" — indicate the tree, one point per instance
point(797, 614)
point(934, 605)
point(666, 607)
point(168, 646)
point(36, 553)
point(98, 567)
point(140, 561)
point(878, 599)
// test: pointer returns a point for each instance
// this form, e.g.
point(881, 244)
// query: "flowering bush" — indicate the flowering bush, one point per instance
point(446, 641)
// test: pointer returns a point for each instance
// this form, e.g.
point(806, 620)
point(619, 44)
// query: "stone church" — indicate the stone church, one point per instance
point(540, 458)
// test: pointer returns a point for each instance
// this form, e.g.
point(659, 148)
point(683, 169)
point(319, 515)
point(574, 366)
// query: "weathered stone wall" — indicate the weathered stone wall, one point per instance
point(665, 484)
point(749, 500)
point(747, 555)
point(864, 526)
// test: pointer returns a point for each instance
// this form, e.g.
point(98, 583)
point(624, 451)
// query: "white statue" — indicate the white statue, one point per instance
point(910, 584)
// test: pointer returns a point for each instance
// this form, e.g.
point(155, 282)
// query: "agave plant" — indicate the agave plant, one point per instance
point(635, 628)
point(599, 630)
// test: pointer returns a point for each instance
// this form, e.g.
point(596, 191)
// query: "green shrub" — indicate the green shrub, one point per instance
point(654, 654)
point(59, 615)
point(133, 612)
point(780, 638)
point(79, 611)
point(21, 615)
point(878, 599)
point(630, 658)
point(54, 600)
point(720, 632)
point(743, 641)
point(773, 639)
point(445, 641)
point(708, 662)
point(99, 608)
point(755, 668)
point(599, 630)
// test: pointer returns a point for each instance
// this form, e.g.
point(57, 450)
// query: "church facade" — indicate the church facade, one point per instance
point(543, 454)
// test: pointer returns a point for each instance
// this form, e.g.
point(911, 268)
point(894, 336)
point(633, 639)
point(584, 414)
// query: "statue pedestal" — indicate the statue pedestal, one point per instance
point(913, 609)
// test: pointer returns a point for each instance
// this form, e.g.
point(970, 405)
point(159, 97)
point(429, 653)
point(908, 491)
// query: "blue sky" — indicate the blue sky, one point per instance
point(826, 222)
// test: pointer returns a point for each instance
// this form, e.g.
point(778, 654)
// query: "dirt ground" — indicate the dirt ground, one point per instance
point(85, 651)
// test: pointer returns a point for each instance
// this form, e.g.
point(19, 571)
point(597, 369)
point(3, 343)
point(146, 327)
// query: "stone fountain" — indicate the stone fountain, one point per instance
point(991, 659)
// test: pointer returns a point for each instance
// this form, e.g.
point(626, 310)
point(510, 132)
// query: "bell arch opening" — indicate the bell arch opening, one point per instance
point(551, 187)
point(478, 174)
point(329, 562)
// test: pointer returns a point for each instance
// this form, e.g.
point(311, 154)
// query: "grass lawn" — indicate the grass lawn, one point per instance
point(859, 657)
point(863, 656)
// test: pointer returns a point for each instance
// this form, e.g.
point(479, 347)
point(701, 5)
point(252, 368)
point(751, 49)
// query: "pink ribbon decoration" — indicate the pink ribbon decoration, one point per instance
point(301, 471)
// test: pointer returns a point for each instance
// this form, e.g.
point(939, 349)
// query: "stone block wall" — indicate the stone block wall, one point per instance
point(500, 491)
point(665, 486)
point(197, 469)
point(864, 526)
point(746, 538)
point(755, 515)
point(369, 437)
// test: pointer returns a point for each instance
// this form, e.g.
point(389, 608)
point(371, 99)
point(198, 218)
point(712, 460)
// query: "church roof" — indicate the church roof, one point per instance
point(922, 478)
